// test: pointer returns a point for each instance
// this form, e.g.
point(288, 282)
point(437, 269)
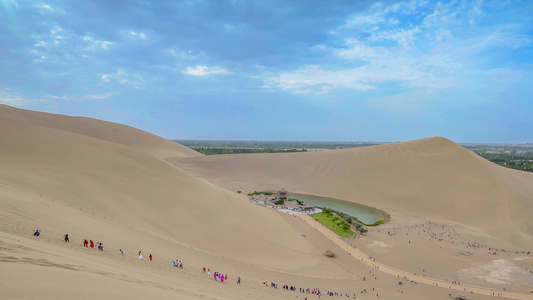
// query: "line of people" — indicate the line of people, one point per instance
point(179, 264)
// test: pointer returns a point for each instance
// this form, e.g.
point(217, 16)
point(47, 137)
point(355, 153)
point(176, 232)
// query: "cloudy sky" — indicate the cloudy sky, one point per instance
point(277, 70)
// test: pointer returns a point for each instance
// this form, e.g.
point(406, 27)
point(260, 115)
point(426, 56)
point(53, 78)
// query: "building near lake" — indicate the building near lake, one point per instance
point(283, 194)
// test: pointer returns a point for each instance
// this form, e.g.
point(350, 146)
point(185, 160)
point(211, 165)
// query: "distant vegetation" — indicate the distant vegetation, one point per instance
point(234, 147)
point(518, 157)
point(522, 161)
point(216, 151)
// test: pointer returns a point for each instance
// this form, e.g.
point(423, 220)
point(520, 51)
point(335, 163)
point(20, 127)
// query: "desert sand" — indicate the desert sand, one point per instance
point(132, 190)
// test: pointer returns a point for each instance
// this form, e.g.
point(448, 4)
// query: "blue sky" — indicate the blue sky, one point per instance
point(277, 70)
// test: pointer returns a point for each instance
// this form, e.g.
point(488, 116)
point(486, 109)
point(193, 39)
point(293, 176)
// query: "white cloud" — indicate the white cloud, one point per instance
point(10, 98)
point(48, 7)
point(178, 54)
point(56, 30)
point(314, 79)
point(64, 97)
point(140, 35)
point(106, 77)
point(381, 65)
point(102, 96)
point(436, 45)
point(204, 71)
point(93, 45)
point(103, 44)
point(124, 78)
point(404, 37)
point(358, 20)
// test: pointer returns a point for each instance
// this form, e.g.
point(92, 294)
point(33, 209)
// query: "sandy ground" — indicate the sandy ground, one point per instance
point(47, 267)
point(162, 200)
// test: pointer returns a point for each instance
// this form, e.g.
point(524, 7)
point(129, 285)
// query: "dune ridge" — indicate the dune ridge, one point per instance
point(108, 131)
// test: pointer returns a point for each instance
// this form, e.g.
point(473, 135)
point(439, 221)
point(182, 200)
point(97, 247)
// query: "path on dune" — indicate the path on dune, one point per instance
point(365, 259)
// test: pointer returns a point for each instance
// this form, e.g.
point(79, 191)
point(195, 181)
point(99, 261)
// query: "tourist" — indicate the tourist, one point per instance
point(150, 257)
point(66, 238)
point(85, 243)
point(37, 233)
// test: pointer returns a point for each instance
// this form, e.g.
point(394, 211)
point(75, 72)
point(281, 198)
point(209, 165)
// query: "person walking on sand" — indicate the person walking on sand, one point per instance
point(37, 233)
point(140, 255)
point(122, 251)
point(66, 238)
point(239, 280)
point(150, 257)
point(85, 243)
point(92, 243)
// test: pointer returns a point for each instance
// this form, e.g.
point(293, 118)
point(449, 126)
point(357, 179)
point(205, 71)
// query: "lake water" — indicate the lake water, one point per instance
point(364, 213)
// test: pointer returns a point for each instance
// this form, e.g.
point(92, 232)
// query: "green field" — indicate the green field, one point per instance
point(334, 224)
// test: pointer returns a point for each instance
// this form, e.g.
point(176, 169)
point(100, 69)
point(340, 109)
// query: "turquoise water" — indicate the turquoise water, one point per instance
point(364, 213)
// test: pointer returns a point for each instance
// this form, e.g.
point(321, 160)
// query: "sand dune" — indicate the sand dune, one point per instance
point(108, 131)
point(114, 184)
point(137, 188)
point(432, 178)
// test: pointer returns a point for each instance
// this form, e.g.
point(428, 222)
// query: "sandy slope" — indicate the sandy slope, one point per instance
point(137, 188)
point(108, 131)
point(432, 178)
point(48, 268)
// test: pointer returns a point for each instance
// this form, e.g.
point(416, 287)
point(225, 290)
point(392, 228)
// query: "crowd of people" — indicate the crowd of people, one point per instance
point(177, 263)
point(313, 291)
point(219, 277)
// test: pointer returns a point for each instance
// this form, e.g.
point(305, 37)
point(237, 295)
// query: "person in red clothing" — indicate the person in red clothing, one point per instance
point(85, 243)
point(150, 257)
point(92, 243)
